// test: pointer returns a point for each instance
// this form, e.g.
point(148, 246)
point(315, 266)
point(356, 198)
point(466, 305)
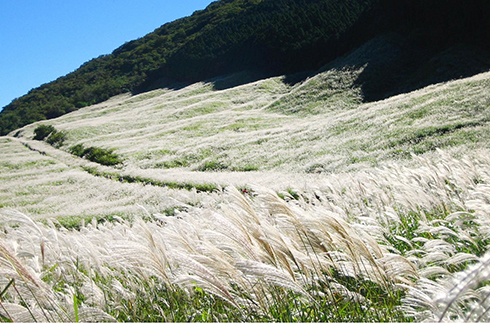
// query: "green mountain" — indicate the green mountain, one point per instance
point(273, 37)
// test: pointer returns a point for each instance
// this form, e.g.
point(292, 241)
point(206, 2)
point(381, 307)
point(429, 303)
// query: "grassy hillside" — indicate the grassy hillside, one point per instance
point(358, 191)
point(319, 125)
point(274, 37)
point(271, 200)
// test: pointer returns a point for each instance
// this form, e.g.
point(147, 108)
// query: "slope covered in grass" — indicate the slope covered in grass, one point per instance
point(319, 125)
point(267, 201)
point(390, 244)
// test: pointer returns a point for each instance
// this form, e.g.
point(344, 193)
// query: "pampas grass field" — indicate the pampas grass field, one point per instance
point(262, 202)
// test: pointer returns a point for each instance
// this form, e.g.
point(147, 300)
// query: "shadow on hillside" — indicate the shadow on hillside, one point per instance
point(293, 79)
point(161, 83)
point(393, 65)
point(227, 81)
point(246, 77)
point(236, 79)
point(456, 62)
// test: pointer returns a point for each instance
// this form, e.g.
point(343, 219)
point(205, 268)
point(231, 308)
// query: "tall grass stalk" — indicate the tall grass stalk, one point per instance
point(258, 268)
point(389, 244)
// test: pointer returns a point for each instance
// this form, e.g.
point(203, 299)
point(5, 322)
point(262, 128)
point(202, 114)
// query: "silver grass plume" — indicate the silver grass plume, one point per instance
point(463, 296)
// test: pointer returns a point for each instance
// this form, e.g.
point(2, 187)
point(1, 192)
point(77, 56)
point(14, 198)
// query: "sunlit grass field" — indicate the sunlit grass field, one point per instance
point(261, 202)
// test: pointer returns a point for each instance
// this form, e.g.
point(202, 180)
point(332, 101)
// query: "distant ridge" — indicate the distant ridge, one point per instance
point(429, 41)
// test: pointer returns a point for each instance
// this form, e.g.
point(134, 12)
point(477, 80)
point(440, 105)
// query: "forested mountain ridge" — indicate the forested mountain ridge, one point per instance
point(267, 36)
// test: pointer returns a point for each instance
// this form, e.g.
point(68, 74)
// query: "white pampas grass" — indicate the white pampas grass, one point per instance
point(463, 296)
point(410, 229)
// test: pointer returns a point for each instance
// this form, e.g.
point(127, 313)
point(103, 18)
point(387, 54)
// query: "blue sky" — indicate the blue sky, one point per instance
point(42, 40)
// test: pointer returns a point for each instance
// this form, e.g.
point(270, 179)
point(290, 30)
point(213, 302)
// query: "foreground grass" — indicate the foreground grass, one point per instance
point(388, 244)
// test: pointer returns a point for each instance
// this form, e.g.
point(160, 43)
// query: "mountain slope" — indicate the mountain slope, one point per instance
point(225, 37)
point(318, 125)
point(270, 37)
point(418, 220)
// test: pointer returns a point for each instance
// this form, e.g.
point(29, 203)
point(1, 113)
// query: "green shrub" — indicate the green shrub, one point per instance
point(77, 150)
point(42, 131)
point(52, 136)
point(56, 138)
point(212, 165)
point(97, 155)
point(246, 168)
point(102, 156)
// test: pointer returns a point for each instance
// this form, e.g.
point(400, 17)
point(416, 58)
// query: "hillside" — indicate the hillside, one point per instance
point(255, 132)
point(271, 37)
point(225, 199)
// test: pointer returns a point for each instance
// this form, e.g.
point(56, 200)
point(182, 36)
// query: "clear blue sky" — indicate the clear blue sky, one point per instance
point(41, 40)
